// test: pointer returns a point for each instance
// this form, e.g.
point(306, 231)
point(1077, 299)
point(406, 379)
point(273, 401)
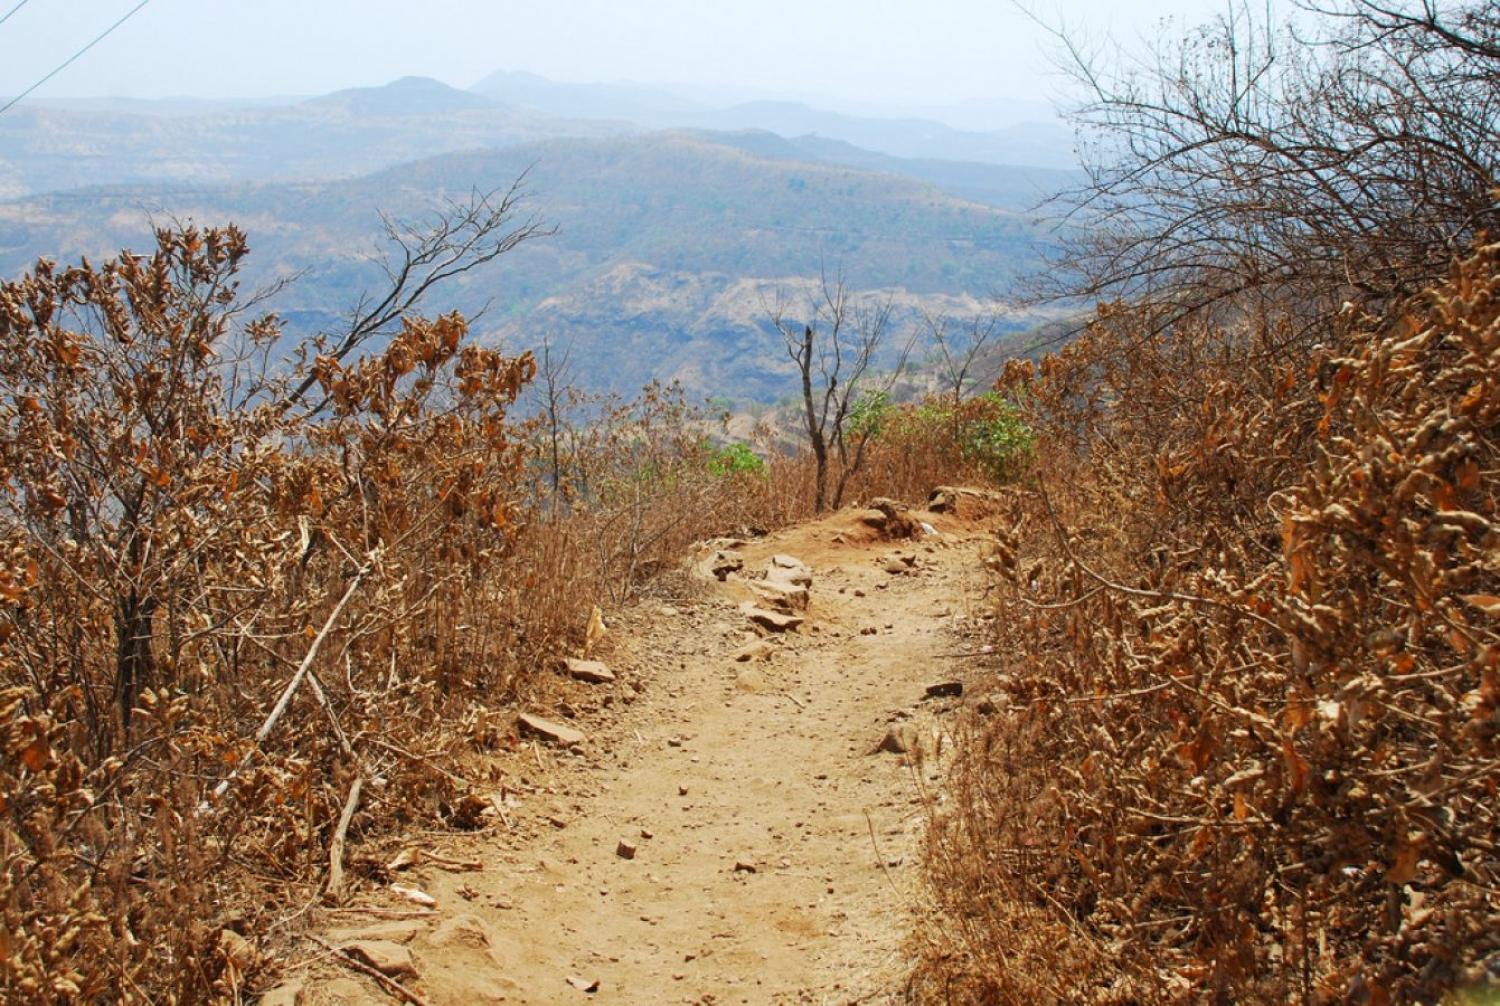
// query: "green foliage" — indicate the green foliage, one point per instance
point(985, 432)
point(869, 413)
point(993, 436)
point(735, 459)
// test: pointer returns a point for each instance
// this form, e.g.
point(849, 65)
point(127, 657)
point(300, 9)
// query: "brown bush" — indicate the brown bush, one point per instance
point(1250, 626)
point(237, 595)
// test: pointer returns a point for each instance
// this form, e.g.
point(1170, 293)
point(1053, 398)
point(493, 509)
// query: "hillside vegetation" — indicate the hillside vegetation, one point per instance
point(1248, 746)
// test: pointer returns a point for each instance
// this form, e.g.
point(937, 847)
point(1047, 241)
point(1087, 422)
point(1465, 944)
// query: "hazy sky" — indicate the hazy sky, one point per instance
point(909, 51)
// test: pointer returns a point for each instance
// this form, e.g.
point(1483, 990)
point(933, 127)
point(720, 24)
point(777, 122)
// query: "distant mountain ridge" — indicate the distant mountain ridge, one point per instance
point(669, 246)
point(1045, 144)
point(59, 145)
point(406, 96)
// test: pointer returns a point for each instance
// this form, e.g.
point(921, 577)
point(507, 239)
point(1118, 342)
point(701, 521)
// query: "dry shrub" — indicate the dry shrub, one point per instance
point(1250, 626)
point(178, 541)
point(233, 587)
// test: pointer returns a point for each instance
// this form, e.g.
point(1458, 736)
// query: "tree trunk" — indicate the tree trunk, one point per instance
point(133, 620)
point(814, 429)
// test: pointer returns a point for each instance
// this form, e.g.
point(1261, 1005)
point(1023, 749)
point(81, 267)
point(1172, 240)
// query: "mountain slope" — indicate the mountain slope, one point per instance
point(701, 230)
point(59, 146)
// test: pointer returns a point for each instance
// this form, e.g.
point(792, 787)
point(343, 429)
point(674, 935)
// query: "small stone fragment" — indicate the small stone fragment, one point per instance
point(750, 680)
point(625, 850)
point(589, 985)
point(744, 866)
point(462, 931)
point(773, 620)
point(757, 650)
point(592, 671)
point(547, 730)
point(782, 595)
point(415, 896)
point(945, 690)
point(292, 993)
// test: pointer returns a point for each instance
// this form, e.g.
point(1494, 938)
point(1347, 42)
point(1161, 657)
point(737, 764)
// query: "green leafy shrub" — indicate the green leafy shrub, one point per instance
point(735, 459)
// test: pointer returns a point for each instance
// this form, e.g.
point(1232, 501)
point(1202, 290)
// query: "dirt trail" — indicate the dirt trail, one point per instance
point(710, 767)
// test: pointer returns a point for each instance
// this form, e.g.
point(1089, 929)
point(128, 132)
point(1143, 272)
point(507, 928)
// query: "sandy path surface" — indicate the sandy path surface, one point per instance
point(775, 851)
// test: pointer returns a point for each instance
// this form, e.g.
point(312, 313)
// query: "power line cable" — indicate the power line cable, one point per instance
point(69, 61)
point(12, 11)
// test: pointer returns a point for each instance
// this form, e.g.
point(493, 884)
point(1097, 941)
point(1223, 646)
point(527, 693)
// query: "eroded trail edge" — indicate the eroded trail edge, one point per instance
point(741, 820)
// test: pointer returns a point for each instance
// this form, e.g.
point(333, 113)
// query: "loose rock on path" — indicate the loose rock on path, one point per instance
point(730, 836)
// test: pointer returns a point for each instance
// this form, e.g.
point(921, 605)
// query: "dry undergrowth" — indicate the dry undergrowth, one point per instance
point(229, 612)
point(1250, 627)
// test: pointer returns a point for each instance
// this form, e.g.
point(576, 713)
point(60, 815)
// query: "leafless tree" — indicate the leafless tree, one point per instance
point(423, 254)
point(1347, 153)
point(960, 346)
point(834, 350)
point(553, 386)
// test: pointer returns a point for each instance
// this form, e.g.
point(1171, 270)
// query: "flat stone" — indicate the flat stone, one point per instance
point(744, 866)
point(782, 595)
point(547, 730)
point(390, 959)
point(774, 620)
point(293, 993)
point(750, 680)
point(791, 571)
point(461, 931)
point(591, 671)
point(757, 649)
point(945, 690)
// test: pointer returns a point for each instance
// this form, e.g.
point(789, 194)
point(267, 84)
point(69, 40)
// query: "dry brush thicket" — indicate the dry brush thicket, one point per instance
point(1250, 626)
point(244, 597)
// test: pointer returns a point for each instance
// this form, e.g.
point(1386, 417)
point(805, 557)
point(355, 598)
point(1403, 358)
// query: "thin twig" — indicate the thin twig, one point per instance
point(302, 670)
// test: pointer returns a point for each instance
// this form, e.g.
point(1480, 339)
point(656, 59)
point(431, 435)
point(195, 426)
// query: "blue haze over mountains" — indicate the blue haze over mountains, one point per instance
point(678, 219)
